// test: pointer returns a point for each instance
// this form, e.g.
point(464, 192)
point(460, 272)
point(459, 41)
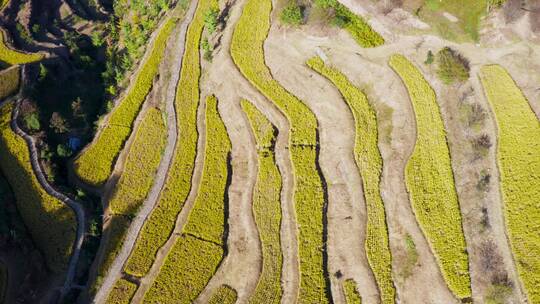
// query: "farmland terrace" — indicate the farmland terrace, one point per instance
point(270, 151)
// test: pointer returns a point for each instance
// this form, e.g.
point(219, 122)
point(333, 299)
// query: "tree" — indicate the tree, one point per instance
point(63, 151)
point(32, 121)
point(58, 123)
point(211, 19)
point(77, 107)
point(292, 14)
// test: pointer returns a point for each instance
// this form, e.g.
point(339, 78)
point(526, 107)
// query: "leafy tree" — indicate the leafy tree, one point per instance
point(32, 122)
point(292, 14)
point(430, 58)
point(63, 151)
point(211, 19)
point(58, 123)
point(452, 66)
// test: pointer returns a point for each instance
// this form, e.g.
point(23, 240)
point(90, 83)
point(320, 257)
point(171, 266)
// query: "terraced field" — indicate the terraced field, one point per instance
point(271, 151)
point(50, 222)
point(519, 162)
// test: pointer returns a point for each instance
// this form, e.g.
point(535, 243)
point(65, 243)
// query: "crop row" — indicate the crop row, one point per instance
point(267, 207)
point(369, 162)
point(12, 57)
point(122, 292)
point(196, 255)
point(160, 224)
point(351, 293)
point(50, 222)
point(10, 80)
point(248, 54)
point(135, 182)
point(224, 295)
point(430, 181)
point(518, 153)
point(95, 163)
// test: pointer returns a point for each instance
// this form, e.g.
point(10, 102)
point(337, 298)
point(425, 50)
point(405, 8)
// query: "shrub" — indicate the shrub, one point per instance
point(352, 296)
point(369, 162)
point(211, 19)
point(518, 154)
point(122, 292)
point(161, 221)
point(451, 66)
point(197, 253)
point(267, 208)
point(224, 295)
point(430, 181)
point(95, 164)
point(51, 223)
point(292, 14)
point(247, 53)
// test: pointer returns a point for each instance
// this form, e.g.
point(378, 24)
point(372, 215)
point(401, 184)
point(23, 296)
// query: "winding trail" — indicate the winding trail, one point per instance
point(75, 206)
point(115, 272)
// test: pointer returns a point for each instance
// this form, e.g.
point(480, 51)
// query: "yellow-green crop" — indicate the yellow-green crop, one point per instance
point(369, 161)
point(430, 181)
point(95, 163)
point(195, 256)
point(122, 292)
point(351, 293)
point(248, 54)
point(50, 222)
point(9, 81)
point(267, 208)
point(224, 295)
point(13, 57)
point(518, 154)
point(135, 182)
point(160, 224)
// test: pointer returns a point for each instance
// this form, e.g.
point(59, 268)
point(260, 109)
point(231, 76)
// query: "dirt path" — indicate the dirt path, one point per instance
point(116, 269)
point(74, 205)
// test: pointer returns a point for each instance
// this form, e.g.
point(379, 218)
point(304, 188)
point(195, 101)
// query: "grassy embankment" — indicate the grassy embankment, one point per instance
point(267, 207)
point(122, 292)
point(352, 296)
point(10, 80)
point(430, 181)
point(160, 224)
point(135, 181)
point(369, 161)
point(95, 164)
point(197, 253)
point(248, 54)
point(51, 223)
point(224, 295)
point(518, 154)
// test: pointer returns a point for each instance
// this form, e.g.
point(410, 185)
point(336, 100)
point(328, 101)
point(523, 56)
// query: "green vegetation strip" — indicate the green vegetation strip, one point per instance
point(9, 81)
point(196, 255)
point(51, 223)
point(247, 53)
point(351, 293)
point(359, 29)
point(225, 295)
point(430, 181)
point(267, 208)
point(160, 224)
point(369, 161)
point(95, 164)
point(135, 182)
point(12, 57)
point(518, 153)
point(122, 292)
